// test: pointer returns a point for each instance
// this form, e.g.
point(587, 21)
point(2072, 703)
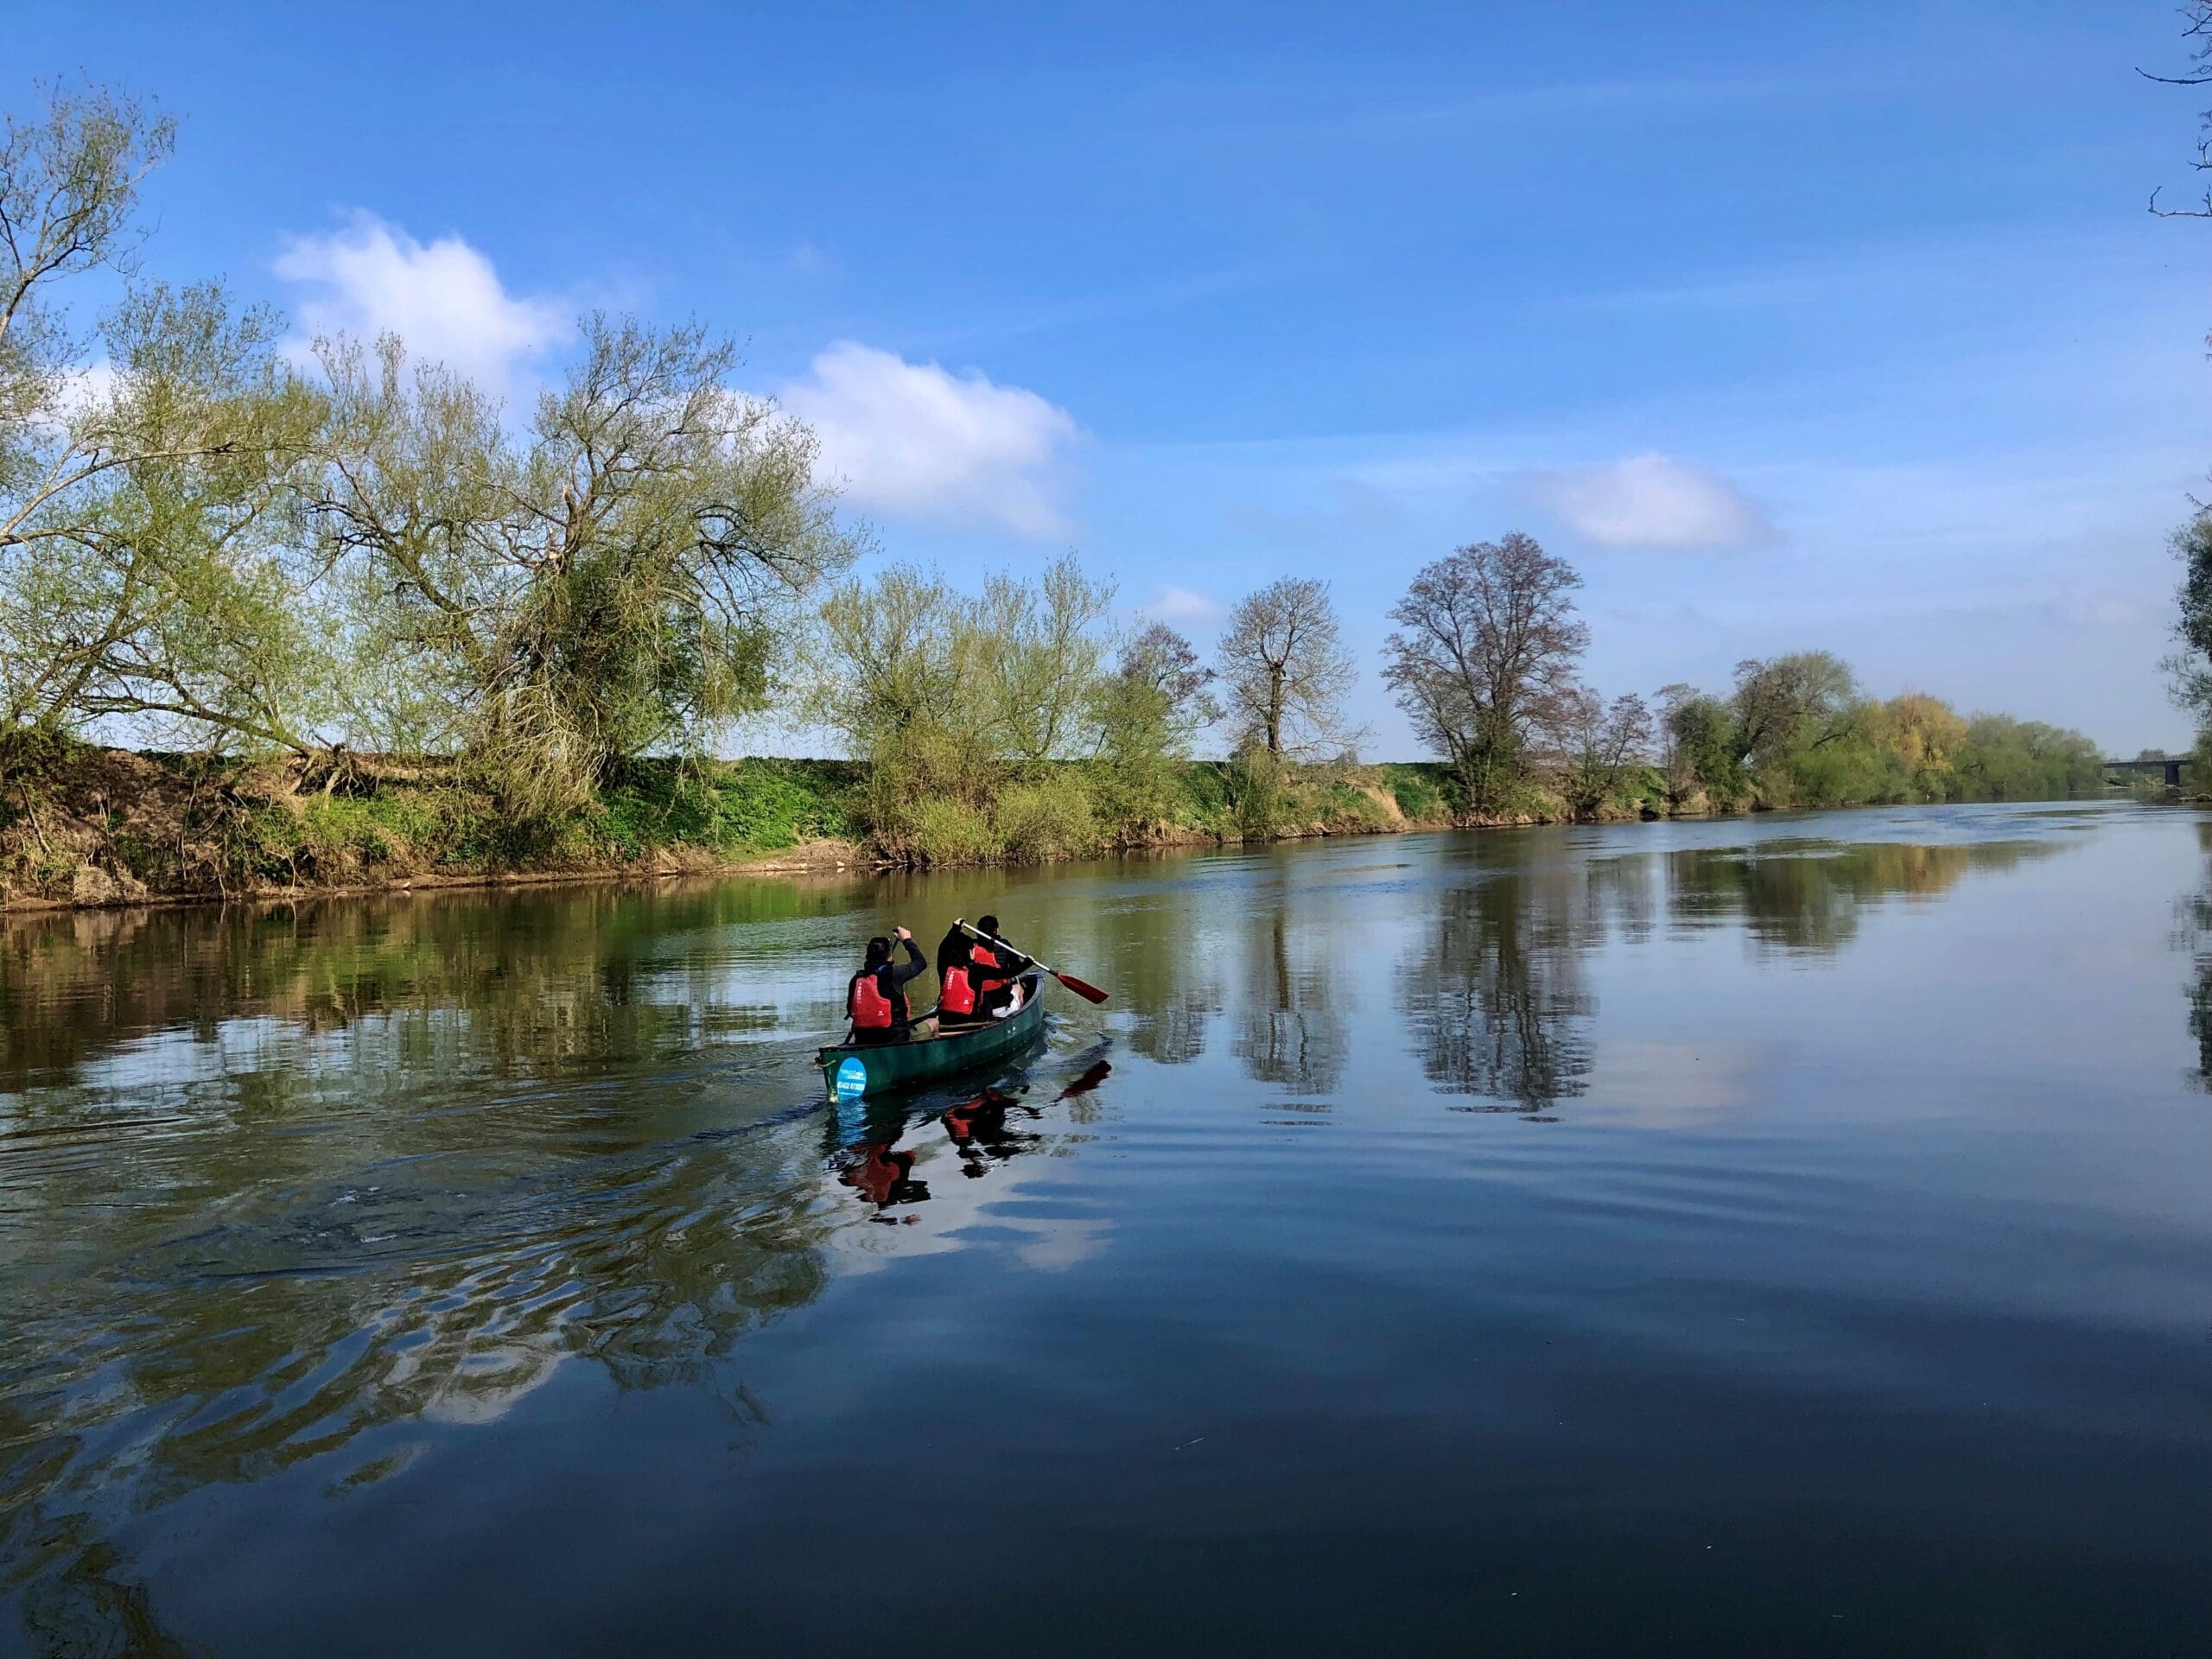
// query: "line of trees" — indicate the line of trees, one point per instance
point(223, 549)
point(366, 566)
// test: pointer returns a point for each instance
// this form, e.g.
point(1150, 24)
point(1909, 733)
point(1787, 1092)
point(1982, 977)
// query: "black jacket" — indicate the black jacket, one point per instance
point(892, 979)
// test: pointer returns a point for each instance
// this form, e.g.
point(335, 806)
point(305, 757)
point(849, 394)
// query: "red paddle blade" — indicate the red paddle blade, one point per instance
point(1081, 987)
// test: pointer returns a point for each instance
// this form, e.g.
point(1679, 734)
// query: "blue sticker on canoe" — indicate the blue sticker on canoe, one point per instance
point(852, 1078)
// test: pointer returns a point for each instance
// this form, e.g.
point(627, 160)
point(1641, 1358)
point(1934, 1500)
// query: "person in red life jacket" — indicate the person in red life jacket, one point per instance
point(997, 967)
point(959, 1001)
point(875, 997)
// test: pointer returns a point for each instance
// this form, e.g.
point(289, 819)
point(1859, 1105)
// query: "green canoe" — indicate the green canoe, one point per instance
point(852, 1070)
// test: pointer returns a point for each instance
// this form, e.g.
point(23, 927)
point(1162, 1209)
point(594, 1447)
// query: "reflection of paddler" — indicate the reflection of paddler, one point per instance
point(978, 1128)
point(883, 1174)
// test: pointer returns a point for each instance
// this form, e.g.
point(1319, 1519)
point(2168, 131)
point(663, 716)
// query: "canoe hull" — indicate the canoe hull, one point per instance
point(852, 1070)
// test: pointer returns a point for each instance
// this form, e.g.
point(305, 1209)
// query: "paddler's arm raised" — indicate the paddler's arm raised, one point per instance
point(916, 963)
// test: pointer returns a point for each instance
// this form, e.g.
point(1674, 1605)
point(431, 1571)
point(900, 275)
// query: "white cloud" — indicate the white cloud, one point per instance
point(442, 298)
point(75, 393)
point(1183, 607)
point(914, 442)
point(1650, 501)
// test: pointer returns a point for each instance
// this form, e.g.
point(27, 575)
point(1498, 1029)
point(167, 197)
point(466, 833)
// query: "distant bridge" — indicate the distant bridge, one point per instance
point(2118, 772)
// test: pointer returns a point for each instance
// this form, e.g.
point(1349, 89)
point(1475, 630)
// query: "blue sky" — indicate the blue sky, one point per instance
point(1837, 326)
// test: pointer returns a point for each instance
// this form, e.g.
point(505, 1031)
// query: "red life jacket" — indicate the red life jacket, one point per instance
point(983, 958)
point(870, 1007)
point(957, 995)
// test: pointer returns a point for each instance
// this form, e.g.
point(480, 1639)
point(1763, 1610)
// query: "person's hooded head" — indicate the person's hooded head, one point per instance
point(991, 926)
point(878, 951)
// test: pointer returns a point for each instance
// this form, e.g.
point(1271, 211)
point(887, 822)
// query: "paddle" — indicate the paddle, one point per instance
point(1081, 987)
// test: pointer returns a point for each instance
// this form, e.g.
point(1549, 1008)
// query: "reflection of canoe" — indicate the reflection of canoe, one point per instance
point(851, 1070)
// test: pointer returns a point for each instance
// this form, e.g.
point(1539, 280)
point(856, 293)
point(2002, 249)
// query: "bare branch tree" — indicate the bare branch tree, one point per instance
point(1283, 670)
point(2198, 14)
point(1487, 650)
point(1604, 741)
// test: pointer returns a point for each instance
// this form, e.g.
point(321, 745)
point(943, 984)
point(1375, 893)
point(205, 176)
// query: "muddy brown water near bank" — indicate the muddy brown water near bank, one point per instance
point(1787, 1235)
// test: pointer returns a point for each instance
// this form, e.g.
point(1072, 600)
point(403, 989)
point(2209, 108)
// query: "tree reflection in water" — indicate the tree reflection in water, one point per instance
point(1165, 982)
point(1493, 994)
point(2195, 911)
point(281, 1186)
point(1290, 1025)
point(1805, 895)
point(311, 1184)
point(1493, 990)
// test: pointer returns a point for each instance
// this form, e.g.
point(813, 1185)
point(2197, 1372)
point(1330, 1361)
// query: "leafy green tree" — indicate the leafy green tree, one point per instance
point(2006, 760)
point(621, 579)
point(1038, 659)
point(1701, 751)
point(958, 703)
point(1785, 705)
point(2188, 668)
point(1150, 710)
point(149, 564)
point(891, 682)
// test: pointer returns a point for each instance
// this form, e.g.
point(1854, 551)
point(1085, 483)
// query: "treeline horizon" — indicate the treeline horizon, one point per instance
point(333, 567)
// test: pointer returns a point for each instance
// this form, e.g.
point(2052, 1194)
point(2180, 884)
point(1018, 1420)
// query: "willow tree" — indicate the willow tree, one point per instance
point(1787, 705)
point(1038, 659)
point(621, 578)
point(957, 702)
point(891, 683)
point(149, 568)
point(2188, 668)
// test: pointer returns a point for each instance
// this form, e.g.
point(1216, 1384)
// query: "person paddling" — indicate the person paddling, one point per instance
point(998, 967)
point(957, 1003)
point(975, 980)
point(875, 997)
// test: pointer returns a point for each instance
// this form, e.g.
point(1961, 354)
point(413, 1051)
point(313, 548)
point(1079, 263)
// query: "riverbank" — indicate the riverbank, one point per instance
point(83, 826)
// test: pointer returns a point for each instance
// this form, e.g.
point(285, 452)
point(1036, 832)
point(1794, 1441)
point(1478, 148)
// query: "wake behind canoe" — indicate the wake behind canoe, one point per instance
point(851, 1070)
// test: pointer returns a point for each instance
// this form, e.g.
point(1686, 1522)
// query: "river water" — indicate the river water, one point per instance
point(1783, 1235)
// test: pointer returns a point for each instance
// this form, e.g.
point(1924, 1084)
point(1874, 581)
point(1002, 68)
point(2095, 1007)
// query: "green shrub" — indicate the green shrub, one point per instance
point(1417, 798)
point(765, 805)
point(1047, 820)
point(1254, 780)
point(338, 836)
point(946, 831)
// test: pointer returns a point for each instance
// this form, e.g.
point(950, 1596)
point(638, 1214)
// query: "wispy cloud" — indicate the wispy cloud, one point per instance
point(1182, 606)
point(1649, 500)
point(443, 298)
point(1010, 320)
point(915, 441)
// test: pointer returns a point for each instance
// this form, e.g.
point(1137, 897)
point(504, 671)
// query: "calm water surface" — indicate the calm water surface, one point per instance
point(1782, 1236)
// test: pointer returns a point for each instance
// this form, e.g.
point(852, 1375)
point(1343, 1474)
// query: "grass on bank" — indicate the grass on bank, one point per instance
point(89, 825)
